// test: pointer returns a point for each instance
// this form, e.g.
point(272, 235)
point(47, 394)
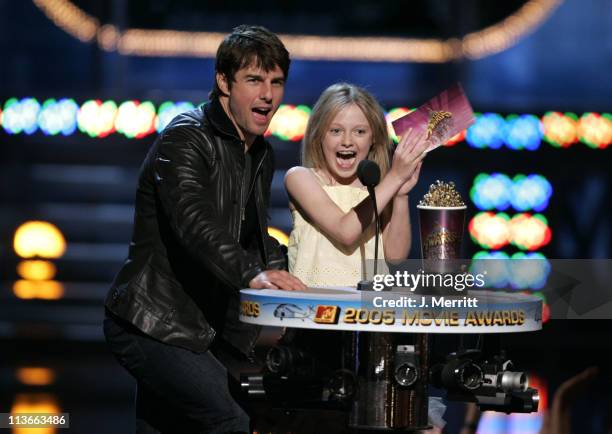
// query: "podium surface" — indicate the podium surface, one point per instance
point(479, 311)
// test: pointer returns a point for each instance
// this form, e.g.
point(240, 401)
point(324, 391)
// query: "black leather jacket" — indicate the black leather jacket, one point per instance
point(185, 265)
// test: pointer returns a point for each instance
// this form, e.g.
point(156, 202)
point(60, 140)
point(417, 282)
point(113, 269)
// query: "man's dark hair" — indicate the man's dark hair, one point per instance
point(246, 45)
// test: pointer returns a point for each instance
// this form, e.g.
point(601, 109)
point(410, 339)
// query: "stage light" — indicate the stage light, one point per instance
point(38, 289)
point(490, 230)
point(528, 271)
point(135, 119)
point(38, 238)
point(595, 130)
point(491, 191)
point(529, 232)
point(521, 271)
point(560, 129)
point(168, 111)
point(530, 192)
point(36, 270)
point(289, 122)
point(392, 115)
point(20, 115)
point(492, 266)
point(491, 255)
point(523, 132)
point(97, 119)
point(35, 403)
point(475, 45)
point(279, 235)
point(58, 117)
point(35, 376)
point(487, 131)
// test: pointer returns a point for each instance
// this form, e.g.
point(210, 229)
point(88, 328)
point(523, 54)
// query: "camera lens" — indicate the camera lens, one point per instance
point(276, 360)
point(513, 381)
point(470, 376)
point(406, 374)
point(462, 374)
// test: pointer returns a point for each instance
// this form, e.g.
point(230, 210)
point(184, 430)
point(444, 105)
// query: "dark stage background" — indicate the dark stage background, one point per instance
point(536, 72)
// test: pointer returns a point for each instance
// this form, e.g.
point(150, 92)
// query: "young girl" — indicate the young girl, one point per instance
point(333, 218)
point(333, 230)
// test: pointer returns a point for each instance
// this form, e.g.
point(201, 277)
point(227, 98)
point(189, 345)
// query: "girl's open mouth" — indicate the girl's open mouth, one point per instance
point(346, 159)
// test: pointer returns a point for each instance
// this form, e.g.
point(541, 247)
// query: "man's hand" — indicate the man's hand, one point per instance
point(276, 279)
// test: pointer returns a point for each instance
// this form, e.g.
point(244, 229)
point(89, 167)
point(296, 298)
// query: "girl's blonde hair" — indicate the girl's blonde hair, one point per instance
point(332, 100)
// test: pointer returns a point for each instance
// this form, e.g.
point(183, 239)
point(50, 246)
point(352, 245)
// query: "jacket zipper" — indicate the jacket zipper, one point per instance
point(243, 199)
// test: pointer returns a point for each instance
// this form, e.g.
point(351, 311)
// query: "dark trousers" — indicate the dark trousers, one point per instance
point(178, 390)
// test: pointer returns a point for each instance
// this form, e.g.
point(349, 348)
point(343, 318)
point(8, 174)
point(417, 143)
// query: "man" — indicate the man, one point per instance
point(200, 235)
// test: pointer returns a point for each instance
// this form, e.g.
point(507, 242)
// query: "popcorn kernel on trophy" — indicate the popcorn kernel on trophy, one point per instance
point(441, 222)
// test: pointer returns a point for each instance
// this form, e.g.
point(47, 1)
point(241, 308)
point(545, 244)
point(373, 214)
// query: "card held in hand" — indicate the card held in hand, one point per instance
point(440, 118)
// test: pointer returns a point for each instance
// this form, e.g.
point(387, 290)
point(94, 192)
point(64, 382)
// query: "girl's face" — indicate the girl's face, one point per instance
point(346, 142)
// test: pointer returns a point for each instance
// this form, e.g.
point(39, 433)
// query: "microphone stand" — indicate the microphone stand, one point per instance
point(377, 225)
point(368, 285)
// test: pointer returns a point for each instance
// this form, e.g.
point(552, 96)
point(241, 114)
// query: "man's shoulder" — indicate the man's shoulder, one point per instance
point(190, 126)
point(194, 118)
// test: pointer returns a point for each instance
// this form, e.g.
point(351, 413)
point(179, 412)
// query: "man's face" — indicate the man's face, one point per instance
point(252, 99)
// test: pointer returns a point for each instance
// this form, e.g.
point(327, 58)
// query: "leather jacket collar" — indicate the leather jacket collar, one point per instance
point(220, 120)
point(215, 114)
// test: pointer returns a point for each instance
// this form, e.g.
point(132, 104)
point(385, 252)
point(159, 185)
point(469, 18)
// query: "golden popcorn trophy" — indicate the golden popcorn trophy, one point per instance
point(441, 226)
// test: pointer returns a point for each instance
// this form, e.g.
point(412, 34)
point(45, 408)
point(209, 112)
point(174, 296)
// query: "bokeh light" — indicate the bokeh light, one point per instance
point(135, 119)
point(39, 239)
point(529, 232)
point(560, 129)
point(21, 115)
point(523, 132)
point(97, 119)
point(490, 230)
point(595, 130)
point(531, 192)
point(168, 111)
point(487, 131)
point(491, 191)
point(528, 270)
point(523, 193)
point(35, 403)
point(521, 271)
point(58, 117)
point(289, 122)
point(35, 376)
point(36, 270)
point(525, 231)
point(492, 266)
point(38, 289)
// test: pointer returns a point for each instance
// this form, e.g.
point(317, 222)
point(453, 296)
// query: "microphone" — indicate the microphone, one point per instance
point(368, 173)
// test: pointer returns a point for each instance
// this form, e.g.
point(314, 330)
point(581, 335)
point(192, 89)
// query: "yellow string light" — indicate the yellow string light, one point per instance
point(172, 43)
point(70, 18)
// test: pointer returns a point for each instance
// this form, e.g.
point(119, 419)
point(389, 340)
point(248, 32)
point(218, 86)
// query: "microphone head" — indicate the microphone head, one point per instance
point(368, 173)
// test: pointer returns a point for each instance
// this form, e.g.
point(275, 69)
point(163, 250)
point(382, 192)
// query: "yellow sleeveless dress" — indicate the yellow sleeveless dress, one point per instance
point(319, 261)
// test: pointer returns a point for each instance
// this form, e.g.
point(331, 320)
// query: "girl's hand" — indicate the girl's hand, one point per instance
point(408, 154)
point(409, 185)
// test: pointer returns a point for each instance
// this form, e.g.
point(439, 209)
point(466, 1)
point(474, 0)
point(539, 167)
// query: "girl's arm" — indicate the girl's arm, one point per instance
point(397, 233)
point(308, 196)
